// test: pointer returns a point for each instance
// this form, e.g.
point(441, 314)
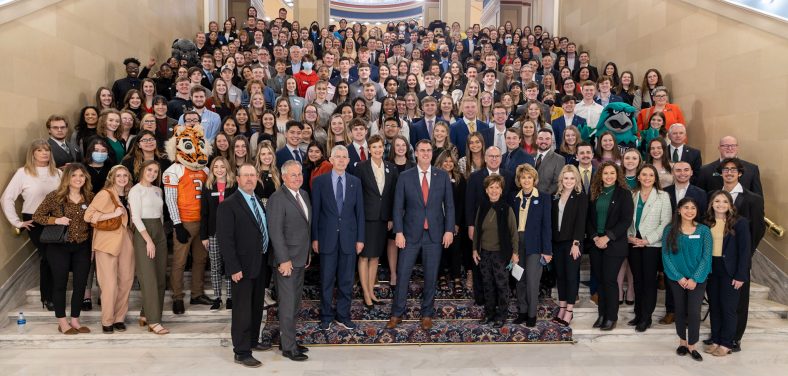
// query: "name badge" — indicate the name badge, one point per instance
point(694, 236)
point(84, 206)
point(215, 194)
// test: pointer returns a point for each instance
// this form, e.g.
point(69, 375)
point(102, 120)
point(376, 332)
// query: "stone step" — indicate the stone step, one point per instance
point(41, 335)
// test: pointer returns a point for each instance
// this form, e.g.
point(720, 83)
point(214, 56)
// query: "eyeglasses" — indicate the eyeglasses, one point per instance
point(660, 96)
point(493, 156)
point(191, 120)
point(729, 146)
point(729, 169)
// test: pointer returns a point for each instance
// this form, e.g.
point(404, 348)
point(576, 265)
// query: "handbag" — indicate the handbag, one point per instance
point(111, 224)
point(54, 234)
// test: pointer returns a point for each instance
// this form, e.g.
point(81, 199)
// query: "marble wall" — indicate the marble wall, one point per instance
point(728, 77)
point(54, 59)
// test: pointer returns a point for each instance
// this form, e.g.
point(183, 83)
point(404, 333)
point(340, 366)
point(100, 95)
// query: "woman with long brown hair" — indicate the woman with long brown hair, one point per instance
point(65, 206)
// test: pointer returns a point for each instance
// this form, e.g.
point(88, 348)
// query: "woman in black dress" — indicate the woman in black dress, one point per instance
point(378, 179)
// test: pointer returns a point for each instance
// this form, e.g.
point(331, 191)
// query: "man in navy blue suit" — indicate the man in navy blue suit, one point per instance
point(569, 118)
point(337, 236)
point(515, 155)
point(604, 96)
point(291, 151)
point(423, 224)
point(459, 131)
point(422, 129)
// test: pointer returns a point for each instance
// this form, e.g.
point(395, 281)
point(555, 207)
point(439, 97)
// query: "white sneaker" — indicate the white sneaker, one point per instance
point(268, 301)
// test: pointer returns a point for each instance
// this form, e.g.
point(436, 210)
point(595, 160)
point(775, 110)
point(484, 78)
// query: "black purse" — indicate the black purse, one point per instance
point(55, 234)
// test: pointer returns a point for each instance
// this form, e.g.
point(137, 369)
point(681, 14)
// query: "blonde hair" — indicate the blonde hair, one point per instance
point(572, 170)
point(30, 160)
point(101, 127)
point(110, 183)
point(526, 169)
point(230, 177)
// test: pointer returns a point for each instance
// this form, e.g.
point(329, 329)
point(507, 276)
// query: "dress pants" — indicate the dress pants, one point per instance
point(289, 290)
point(688, 304)
point(528, 286)
point(566, 271)
point(247, 312)
point(669, 301)
point(723, 302)
point(217, 269)
point(744, 307)
point(431, 259)
point(451, 260)
point(45, 272)
point(605, 269)
point(115, 275)
point(644, 261)
point(62, 258)
point(180, 254)
point(151, 273)
point(336, 268)
point(495, 278)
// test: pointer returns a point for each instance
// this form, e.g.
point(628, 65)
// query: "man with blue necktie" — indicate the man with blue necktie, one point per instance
point(337, 236)
point(291, 151)
point(242, 233)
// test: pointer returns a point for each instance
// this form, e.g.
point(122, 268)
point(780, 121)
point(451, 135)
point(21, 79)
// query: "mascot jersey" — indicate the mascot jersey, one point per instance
point(189, 185)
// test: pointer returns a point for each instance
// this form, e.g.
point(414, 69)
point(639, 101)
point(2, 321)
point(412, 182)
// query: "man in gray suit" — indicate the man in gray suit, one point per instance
point(289, 224)
point(548, 163)
point(62, 151)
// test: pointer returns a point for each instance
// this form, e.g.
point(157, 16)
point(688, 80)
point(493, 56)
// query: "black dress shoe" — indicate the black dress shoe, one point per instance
point(217, 304)
point(736, 346)
point(261, 347)
point(521, 318)
point(119, 326)
point(87, 304)
point(530, 322)
point(630, 302)
point(295, 356)
point(708, 341)
point(107, 329)
point(299, 348)
point(248, 361)
point(696, 356)
point(643, 325)
point(634, 321)
point(608, 325)
point(598, 322)
point(201, 300)
point(682, 351)
point(177, 307)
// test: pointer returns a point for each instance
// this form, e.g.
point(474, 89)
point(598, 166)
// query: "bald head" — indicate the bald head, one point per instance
point(729, 147)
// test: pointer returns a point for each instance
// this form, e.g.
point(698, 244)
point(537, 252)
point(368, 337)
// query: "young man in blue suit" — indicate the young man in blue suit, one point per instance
point(569, 118)
point(337, 236)
point(459, 131)
point(291, 151)
point(423, 224)
point(514, 155)
point(422, 129)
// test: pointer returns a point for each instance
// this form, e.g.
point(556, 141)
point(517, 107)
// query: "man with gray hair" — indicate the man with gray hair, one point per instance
point(289, 222)
point(678, 150)
point(337, 236)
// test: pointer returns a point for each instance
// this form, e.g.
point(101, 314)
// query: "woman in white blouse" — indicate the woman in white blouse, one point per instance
point(150, 244)
point(33, 182)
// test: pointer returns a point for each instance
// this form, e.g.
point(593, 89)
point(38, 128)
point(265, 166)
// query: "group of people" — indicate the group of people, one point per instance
point(351, 146)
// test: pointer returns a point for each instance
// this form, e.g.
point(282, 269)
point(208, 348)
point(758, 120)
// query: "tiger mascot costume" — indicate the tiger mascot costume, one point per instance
point(183, 182)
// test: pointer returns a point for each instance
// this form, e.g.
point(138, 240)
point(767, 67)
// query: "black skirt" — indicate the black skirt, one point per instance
point(375, 237)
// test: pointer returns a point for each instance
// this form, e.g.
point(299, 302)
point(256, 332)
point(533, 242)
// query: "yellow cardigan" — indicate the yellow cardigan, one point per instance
point(106, 241)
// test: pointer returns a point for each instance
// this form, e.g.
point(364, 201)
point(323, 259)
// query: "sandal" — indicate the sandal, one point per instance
point(158, 329)
point(558, 317)
point(143, 321)
point(458, 288)
point(443, 284)
point(567, 322)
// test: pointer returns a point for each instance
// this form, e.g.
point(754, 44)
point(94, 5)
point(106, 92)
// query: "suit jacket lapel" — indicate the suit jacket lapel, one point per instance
point(245, 207)
point(298, 207)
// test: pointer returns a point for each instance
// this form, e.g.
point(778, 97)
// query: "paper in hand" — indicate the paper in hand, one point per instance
point(517, 271)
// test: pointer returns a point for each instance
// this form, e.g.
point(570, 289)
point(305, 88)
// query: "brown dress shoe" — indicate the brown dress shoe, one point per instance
point(667, 320)
point(426, 323)
point(595, 298)
point(393, 322)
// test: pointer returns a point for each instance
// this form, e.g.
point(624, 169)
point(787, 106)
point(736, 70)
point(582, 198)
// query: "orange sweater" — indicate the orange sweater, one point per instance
point(672, 114)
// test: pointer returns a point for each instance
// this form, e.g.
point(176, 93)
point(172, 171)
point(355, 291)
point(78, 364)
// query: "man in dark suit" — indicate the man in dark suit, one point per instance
point(208, 72)
point(568, 118)
point(515, 155)
point(710, 180)
point(748, 205)
point(291, 151)
point(62, 151)
point(337, 236)
point(548, 163)
point(682, 187)
point(495, 135)
point(422, 129)
point(585, 61)
point(243, 240)
point(289, 225)
point(679, 151)
point(358, 150)
point(423, 224)
point(459, 131)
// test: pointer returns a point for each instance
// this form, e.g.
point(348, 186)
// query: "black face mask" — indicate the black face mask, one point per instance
point(549, 102)
point(444, 54)
point(390, 28)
